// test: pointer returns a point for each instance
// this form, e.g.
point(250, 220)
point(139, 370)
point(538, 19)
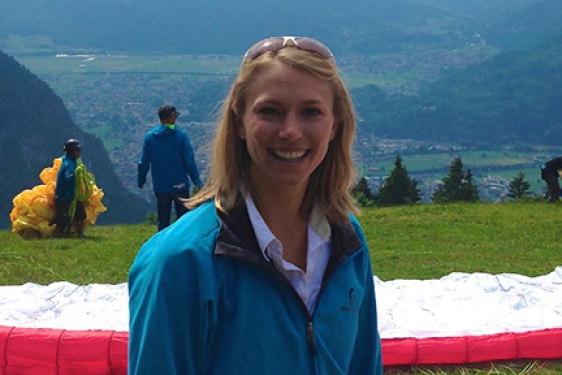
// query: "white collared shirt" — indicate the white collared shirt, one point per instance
point(319, 247)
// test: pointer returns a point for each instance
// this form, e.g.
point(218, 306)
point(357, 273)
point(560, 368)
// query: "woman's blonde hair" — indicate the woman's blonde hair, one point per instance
point(329, 184)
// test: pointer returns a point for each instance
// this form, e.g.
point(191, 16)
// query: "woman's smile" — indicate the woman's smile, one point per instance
point(289, 155)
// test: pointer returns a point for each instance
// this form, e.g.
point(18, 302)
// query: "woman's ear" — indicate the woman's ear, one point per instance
point(238, 126)
point(335, 126)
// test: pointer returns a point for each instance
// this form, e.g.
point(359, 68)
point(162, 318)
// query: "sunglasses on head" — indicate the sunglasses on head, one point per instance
point(278, 43)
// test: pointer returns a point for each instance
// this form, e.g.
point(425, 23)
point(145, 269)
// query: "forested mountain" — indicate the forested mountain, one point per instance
point(506, 24)
point(34, 124)
point(513, 98)
point(229, 27)
point(481, 8)
point(525, 26)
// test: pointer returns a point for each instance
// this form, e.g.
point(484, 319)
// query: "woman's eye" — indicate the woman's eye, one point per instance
point(269, 111)
point(311, 112)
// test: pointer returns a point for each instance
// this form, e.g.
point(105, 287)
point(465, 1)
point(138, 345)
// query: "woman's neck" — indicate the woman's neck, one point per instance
point(283, 214)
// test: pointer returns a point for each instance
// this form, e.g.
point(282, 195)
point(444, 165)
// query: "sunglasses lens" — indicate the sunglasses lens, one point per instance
point(275, 44)
point(311, 45)
point(263, 46)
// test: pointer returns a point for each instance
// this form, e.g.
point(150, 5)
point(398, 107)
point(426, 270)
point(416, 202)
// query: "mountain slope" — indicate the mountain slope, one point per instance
point(524, 27)
point(34, 124)
point(513, 98)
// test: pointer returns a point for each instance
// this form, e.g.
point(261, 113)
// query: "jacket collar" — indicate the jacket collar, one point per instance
point(237, 239)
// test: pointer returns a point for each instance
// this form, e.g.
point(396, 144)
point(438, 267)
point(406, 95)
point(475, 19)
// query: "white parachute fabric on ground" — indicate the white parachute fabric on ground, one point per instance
point(63, 305)
point(459, 304)
point(462, 304)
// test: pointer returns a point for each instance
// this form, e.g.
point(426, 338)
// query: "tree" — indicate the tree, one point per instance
point(457, 185)
point(362, 193)
point(469, 191)
point(399, 188)
point(518, 187)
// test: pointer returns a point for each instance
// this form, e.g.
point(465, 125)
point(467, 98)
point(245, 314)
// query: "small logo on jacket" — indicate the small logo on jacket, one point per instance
point(351, 296)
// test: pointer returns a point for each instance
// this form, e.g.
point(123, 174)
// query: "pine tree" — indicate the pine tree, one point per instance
point(399, 188)
point(518, 187)
point(457, 186)
point(362, 193)
point(469, 190)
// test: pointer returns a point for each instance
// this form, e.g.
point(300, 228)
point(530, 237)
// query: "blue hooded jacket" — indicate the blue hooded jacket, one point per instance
point(203, 300)
point(169, 155)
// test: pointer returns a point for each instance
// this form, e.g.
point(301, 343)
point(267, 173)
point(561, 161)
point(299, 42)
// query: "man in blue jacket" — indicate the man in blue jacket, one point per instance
point(167, 151)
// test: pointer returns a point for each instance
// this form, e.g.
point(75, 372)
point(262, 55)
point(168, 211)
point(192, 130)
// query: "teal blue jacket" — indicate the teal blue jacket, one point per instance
point(169, 155)
point(203, 300)
point(65, 188)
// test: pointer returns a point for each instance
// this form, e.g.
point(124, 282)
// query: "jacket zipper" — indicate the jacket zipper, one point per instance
point(310, 337)
point(309, 325)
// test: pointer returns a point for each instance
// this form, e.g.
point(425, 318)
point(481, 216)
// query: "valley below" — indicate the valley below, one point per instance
point(116, 98)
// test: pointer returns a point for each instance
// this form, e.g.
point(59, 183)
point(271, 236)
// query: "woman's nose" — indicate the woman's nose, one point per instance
point(291, 128)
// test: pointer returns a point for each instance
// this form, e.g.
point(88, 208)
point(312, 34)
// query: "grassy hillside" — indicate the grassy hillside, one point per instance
point(430, 241)
point(412, 242)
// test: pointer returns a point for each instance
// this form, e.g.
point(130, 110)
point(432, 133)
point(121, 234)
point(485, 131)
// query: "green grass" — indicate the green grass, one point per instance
point(547, 367)
point(103, 257)
point(430, 241)
point(411, 242)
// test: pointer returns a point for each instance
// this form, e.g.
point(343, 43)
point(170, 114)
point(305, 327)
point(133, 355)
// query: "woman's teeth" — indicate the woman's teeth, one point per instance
point(289, 155)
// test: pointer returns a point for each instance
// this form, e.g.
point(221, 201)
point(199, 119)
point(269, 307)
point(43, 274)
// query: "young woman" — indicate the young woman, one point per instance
point(269, 273)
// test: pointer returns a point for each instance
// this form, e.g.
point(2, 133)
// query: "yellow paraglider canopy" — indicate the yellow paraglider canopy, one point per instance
point(34, 208)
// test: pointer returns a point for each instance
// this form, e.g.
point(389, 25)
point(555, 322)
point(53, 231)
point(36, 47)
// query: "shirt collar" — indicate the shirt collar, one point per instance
point(318, 223)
